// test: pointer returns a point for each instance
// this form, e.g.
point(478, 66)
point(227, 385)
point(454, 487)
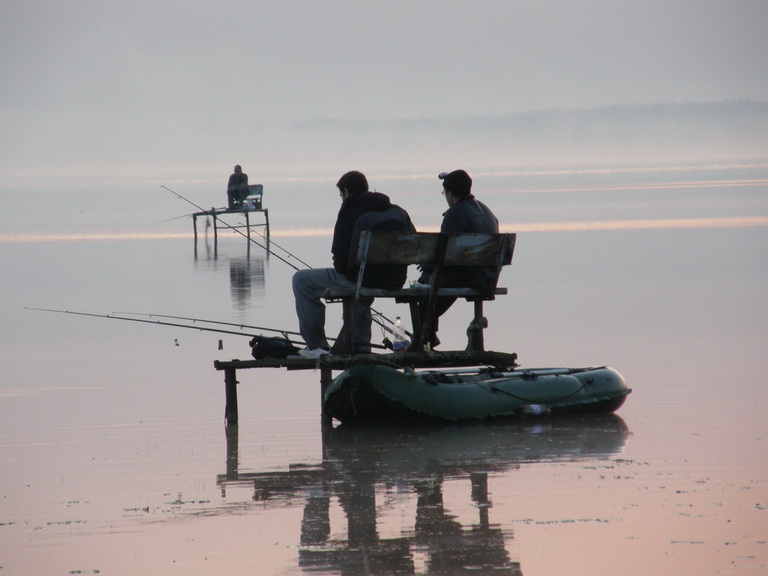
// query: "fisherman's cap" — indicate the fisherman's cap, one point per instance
point(457, 182)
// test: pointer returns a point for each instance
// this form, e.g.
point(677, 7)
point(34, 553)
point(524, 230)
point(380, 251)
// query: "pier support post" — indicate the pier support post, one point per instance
point(326, 377)
point(230, 385)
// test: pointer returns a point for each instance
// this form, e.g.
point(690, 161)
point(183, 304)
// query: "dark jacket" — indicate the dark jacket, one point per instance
point(368, 211)
point(467, 215)
point(237, 187)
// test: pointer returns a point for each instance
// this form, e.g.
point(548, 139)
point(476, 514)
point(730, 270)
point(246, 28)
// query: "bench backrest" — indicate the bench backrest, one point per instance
point(434, 249)
point(255, 190)
point(385, 246)
point(255, 196)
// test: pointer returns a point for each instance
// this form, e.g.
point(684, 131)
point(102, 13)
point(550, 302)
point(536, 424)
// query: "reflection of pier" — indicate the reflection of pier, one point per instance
point(361, 466)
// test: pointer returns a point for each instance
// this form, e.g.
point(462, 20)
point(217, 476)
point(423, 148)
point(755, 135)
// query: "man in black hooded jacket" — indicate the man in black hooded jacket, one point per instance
point(360, 210)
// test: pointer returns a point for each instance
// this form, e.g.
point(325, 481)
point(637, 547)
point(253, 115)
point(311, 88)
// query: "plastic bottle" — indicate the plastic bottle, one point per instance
point(398, 333)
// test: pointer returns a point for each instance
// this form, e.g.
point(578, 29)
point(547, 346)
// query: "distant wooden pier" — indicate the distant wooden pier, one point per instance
point(253, 204)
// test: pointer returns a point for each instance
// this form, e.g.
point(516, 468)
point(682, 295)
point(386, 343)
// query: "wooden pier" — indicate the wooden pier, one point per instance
point(388, 247)
point(253, 204)
point(327, 365)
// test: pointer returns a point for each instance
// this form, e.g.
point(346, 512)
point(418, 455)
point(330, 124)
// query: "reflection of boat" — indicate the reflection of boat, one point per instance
point(380, 393)
point(364, 466)
point(402, 451)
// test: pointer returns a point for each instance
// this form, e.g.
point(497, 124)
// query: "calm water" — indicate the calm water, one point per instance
point(115, 459)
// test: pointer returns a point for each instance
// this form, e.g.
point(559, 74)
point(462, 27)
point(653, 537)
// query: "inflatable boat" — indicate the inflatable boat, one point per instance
point(366, 394)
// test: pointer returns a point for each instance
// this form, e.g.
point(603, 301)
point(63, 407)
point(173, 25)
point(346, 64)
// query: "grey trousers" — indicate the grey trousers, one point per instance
point(308, 288)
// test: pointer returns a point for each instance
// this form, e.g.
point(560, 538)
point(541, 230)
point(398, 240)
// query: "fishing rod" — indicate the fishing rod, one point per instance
point(377, 315)
point(285, 333)
point(237, 230)
point(116, 316)
point(272, 242)
point(156, 322)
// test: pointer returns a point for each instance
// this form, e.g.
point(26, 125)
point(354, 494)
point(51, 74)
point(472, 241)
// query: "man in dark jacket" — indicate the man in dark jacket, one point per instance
point(465, 214)
point(237, 188)
point(360, 210)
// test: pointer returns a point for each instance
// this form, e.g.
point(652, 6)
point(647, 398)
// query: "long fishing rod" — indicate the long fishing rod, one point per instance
point(284, 333)
point(273, 243)
point(155, 322)
point(235, 229)
point(377, 314)
point(220, 323)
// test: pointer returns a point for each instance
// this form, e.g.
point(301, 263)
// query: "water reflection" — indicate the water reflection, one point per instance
point(243, 273)
point(362, 464)
point(246, 272)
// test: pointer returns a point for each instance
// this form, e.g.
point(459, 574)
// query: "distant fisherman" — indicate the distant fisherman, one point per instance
point(237, 188)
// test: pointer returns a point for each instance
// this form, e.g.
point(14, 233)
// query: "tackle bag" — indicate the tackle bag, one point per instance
point(272, 347)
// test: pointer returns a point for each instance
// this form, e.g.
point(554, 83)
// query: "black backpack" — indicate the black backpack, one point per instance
point(272, 347)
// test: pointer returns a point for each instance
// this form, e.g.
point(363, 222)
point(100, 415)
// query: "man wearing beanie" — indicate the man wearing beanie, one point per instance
point(465, 214)
point(360, 210)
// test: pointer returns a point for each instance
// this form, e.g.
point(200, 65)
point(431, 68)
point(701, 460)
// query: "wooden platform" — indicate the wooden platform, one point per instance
point(253, 203)
point(327, 364)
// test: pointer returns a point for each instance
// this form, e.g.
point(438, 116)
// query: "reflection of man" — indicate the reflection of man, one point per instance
point(237, 188)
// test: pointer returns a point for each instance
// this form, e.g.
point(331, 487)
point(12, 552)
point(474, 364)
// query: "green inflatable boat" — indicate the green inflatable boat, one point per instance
point(365, 394)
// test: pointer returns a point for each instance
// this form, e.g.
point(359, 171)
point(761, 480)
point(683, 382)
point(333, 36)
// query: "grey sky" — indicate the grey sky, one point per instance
point(187, 78)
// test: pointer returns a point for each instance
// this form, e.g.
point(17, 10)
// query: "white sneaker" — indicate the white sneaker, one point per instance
point(314, 352)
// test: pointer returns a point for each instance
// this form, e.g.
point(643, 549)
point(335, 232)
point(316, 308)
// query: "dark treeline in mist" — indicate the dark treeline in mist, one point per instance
point(694, 132)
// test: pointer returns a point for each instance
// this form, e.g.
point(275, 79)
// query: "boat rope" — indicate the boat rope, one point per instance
point(531, 400)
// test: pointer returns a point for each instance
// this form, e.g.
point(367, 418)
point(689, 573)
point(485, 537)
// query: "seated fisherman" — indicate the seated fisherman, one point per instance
point(465, 214)
point(237, 188)
point(360, 210)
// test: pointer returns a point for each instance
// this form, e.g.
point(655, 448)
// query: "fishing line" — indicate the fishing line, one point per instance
point(285, 333)
point(155, 322)
point(376, 313)
point(272, 242)
point(234, 229)
point(117, 316)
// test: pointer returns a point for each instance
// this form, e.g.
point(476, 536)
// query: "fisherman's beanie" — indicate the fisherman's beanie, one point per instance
point(458, 183)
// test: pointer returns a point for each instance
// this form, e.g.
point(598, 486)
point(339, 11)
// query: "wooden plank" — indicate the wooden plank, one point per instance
point(392, 247)
point(417, 360)
point(474, 249)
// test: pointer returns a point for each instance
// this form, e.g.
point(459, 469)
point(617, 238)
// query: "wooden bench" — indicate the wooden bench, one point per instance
point(436, 250)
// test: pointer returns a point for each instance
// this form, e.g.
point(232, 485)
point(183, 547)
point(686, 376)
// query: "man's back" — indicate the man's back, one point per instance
point(469, 215)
